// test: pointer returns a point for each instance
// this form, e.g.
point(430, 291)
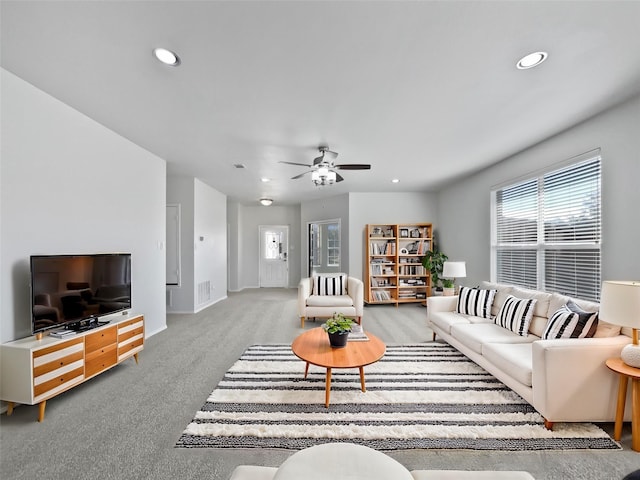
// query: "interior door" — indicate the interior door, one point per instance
point(274, 253)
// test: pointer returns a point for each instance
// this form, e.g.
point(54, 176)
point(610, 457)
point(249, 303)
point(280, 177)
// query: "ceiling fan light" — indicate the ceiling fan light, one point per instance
point(266, 201)
point(331, 177)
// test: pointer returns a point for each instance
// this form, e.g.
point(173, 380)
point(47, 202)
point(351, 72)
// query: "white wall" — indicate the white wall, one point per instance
point(70, 185)
point(244, 223)
point(464, 207)
point(210, 243)
point(181, 191)
point(392, 208)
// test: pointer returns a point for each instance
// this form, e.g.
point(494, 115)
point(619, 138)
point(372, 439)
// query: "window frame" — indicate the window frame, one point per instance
point(546, 250)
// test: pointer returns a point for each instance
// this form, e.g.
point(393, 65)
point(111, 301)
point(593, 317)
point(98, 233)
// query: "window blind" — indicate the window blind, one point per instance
point(547, 231)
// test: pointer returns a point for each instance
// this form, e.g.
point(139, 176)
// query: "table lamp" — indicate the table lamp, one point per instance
point(454, 270)
point(620, 305)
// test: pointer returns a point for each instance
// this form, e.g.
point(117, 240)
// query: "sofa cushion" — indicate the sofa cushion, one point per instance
point(476, 302)
point(543, 299)
point(516, 314)
point(329, 301)
point(516, 360)
point(474, 335)
point(537, 325)
point(444, 320)
point(604, 329)
point(502, 292)
point(570, 321)
point(330, 284)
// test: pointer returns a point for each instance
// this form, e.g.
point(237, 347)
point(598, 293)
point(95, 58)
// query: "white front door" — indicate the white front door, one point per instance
point(274, 253)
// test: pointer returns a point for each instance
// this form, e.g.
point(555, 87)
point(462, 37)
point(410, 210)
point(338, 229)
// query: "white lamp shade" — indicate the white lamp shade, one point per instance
point(620, 303)
point(454, 270)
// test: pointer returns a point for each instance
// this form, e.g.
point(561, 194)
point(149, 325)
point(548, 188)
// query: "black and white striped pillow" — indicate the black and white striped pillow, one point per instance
point(570, 321)
point(476, 302)
point(516, 314)
point(330, 285)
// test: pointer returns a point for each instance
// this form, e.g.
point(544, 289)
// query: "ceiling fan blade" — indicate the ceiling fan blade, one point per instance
point(330, 155)
point(354, 166)
point(318, 160)
point(301, 175)
point(293, 163)
point(339, 178)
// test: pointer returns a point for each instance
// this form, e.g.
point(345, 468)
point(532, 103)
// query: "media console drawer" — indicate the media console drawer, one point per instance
point(34, 370)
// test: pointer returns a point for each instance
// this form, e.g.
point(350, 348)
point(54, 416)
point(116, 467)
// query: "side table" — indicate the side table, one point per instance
point(627, 373)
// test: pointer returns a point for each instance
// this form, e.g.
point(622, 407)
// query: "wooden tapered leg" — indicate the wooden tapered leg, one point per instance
point(302, 322)
point(10, 406)
point(327, 388)
point(622, 397)
point(306, 370)
point(41, 407)
point(362, 387)
point(548, 425)
point(135, 355)
point(635, 415)
point(433, 336)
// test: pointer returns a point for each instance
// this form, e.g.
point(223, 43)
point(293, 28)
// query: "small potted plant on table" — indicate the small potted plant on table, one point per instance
point(338, 328)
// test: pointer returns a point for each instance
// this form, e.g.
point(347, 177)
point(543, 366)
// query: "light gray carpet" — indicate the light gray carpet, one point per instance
point(124, 424)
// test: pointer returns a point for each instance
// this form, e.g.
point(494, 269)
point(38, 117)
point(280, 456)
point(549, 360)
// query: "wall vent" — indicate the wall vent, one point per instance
point(204, 292)
point(239, 165)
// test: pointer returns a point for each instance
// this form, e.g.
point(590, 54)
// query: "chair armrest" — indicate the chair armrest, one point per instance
point(355, 289)
point(304, 292)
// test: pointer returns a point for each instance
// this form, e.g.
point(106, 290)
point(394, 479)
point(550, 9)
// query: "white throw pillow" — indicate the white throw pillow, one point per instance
point(476, 302)
point(516, 314)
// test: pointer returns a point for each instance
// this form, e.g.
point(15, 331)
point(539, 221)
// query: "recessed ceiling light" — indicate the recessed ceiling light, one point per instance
point(266, 201)
point(167, 57)
point(265, 179)
point(395, 180)
point(531, 60)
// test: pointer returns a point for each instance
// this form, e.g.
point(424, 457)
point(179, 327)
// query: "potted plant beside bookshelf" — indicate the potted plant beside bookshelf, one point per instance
point(433, 261)
point(338, 328)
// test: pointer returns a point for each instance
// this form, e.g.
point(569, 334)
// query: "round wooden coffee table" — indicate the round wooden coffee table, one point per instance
point(313, 348)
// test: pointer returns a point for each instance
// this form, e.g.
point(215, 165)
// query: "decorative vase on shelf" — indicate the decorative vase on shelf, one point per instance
point(338, 339)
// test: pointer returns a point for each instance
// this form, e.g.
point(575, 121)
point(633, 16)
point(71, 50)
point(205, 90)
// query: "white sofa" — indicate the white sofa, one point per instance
point(312, 303)
point(565, 379)
point(356, 462)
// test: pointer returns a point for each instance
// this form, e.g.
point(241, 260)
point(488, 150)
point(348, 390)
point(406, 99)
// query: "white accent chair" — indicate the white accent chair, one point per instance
point(312, 305)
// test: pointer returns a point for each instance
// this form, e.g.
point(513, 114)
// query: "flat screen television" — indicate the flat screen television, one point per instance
point(75, 290)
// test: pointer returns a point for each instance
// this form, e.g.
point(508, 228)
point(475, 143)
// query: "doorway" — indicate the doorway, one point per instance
point(323, 241)
point(274, 253)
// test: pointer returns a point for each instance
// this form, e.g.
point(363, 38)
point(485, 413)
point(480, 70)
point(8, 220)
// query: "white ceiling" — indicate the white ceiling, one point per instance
point(423, 91)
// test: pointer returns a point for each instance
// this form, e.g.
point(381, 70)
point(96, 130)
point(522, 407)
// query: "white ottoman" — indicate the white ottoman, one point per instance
point(341, 460)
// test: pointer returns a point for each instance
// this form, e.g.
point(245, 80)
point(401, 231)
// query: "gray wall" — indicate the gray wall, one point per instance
point(244, 222)
point(69, 185)
point(464, 207)
point(392, 208)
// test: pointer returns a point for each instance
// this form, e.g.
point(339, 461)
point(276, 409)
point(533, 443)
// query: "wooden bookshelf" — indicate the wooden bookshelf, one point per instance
point(393, 264)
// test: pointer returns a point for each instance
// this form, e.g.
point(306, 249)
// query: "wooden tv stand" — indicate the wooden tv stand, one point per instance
point(35, 370)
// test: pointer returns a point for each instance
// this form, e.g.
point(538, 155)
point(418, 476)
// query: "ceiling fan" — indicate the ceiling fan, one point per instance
point(323, 169)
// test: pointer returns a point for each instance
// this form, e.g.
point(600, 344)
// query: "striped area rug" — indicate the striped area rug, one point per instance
point(418, 396)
